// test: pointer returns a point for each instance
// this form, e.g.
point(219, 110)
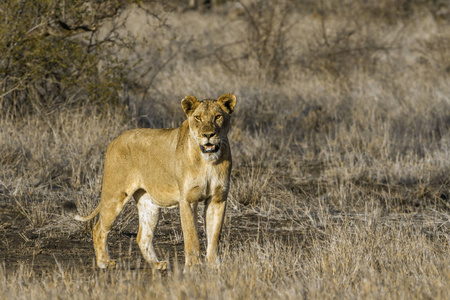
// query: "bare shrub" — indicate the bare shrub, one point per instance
point(343, 47)
point(267, 39)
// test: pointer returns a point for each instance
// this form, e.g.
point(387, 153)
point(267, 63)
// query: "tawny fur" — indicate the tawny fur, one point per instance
point(165, 168)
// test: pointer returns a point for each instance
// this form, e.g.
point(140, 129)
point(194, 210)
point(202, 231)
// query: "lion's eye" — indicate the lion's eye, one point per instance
point(198, 118)
point(218, 117)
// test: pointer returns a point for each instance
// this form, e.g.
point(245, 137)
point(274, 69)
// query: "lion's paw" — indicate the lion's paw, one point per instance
point(109, 264)
point(161, 265)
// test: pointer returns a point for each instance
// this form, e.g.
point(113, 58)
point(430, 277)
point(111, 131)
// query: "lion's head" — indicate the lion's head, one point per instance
point(209, 122)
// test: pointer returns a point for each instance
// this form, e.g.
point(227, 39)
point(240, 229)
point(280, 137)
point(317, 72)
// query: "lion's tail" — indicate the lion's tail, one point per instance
point(71, 209)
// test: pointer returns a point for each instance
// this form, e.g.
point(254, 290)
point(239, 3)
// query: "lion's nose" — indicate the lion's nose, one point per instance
point(208, 135)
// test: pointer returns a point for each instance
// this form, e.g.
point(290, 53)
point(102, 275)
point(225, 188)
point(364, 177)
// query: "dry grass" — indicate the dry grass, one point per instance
point(341, 153)
point(354, 257)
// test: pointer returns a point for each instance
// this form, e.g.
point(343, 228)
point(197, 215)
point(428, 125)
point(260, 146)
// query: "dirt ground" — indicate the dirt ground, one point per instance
point(22, 245)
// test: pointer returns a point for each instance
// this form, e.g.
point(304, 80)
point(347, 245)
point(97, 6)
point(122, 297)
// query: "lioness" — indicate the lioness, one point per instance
point(165, 168)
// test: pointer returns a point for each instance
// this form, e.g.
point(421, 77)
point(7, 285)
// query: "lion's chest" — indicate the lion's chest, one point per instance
point(201, 186)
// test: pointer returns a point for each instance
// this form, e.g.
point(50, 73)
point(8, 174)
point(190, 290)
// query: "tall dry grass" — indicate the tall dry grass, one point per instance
point(341, 148)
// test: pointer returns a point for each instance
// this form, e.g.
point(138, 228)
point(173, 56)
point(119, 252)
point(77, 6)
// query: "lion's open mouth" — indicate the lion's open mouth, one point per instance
point(209, 148)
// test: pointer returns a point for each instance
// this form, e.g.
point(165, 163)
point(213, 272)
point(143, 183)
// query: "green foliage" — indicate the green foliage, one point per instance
point(50, 55)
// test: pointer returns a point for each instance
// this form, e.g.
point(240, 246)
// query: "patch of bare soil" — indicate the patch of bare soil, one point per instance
point(44, 250)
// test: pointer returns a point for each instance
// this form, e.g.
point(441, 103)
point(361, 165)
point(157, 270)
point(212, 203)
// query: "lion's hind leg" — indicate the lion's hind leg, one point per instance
point(148, 221)
point(110, 207)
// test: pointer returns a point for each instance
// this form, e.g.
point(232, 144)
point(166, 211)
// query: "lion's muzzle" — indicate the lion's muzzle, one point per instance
point(210, 148)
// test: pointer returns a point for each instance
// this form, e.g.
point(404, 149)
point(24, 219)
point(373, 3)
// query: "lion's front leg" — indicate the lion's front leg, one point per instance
point(214, 213)
point(191, 243)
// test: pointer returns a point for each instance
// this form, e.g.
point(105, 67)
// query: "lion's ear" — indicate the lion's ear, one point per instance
point(189, 103)
point(227, 102)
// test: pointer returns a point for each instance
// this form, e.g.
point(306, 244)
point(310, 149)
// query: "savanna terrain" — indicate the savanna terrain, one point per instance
point(340, 139)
